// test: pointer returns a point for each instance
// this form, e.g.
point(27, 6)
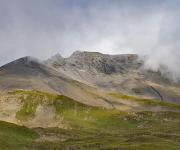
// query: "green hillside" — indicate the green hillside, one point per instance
point(89, 128)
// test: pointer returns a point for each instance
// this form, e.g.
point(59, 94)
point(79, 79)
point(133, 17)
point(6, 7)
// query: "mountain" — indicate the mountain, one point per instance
point(87, 101)
point(92, 78)
point(30, 74)
point(117, 73)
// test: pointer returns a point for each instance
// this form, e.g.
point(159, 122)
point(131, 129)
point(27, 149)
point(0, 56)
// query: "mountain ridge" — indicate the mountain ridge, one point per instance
point(124, 73)
point(34, 75)
point(117, 73)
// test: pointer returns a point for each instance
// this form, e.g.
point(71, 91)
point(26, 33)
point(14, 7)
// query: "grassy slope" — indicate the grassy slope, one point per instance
point(92, 127)
point(149, 102)
point(13, 137)
point(31, 100)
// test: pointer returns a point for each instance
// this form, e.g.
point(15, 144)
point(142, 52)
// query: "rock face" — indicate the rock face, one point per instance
point(119, 73)
point(97, 62)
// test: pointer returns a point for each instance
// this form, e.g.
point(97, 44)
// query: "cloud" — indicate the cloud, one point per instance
point(42, 28)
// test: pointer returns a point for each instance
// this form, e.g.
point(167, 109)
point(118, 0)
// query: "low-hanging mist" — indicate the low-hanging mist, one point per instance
point(43, 28)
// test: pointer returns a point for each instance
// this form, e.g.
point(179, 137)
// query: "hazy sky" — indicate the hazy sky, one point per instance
point(42, 28)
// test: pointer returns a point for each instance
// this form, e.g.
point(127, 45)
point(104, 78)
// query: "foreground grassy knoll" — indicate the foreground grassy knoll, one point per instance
point(13, 137)
point(89, 128)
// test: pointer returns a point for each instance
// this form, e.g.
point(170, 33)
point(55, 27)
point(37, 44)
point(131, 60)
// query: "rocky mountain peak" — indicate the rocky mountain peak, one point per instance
point(95, 61)
point(81, 54)
point(76, 53)
point(55, 61)
point(24, 66)
point(24, 61)
point(57, 56)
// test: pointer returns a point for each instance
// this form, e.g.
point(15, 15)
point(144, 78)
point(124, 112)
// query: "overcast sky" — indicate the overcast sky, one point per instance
point(42, 28)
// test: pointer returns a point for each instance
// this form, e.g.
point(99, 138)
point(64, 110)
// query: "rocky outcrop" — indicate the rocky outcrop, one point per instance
point(94, 61)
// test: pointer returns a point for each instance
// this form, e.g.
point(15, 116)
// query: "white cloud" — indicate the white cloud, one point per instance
point(44, 27)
